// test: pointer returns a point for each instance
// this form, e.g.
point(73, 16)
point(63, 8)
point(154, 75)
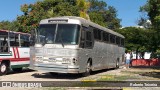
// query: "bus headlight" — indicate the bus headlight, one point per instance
point(74, 61)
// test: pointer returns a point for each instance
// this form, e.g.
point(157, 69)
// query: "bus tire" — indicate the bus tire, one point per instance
point(117, 63)
point(88, 69)
point(17, 69)
point(3, 68)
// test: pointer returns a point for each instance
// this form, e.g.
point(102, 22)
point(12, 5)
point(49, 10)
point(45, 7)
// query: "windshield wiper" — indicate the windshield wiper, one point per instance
point(62, 42)
point(43, 42)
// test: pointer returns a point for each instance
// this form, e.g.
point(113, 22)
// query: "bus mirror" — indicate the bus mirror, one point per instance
point(32, 40)
point(82, 44)
point(32, 32)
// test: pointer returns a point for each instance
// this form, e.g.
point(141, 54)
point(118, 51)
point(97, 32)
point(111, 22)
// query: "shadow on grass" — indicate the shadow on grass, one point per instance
point(147, 67)
point(151, 74)
point(149, 71)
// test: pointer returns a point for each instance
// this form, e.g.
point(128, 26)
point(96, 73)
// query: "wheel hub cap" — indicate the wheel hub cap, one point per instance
point(3, 68)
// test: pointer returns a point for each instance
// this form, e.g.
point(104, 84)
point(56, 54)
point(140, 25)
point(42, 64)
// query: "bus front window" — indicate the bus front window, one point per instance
point(65, 34)
point(46, 33)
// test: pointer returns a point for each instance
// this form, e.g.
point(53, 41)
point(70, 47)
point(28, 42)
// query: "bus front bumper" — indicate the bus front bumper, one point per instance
point(57, 68)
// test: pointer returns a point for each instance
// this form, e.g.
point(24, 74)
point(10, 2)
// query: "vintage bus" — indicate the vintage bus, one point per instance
point(72, 44)
point(14, 51)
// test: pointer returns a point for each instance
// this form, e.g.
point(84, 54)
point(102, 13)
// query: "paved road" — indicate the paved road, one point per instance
point(31, 75)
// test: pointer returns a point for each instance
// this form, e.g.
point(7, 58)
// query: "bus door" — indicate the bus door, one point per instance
point(20, 44)
point(86, 43)
point(24, 46)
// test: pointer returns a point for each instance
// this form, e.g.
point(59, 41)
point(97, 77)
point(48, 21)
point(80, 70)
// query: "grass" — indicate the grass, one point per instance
point(147, 74)
point(132, 72)
point(116, 77)
point(100, 81)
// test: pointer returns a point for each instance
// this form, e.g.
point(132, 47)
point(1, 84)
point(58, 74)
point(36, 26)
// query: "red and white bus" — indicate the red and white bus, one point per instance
point(14, 51)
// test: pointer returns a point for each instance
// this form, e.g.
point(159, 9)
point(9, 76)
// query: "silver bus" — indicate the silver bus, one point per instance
point(72, 44)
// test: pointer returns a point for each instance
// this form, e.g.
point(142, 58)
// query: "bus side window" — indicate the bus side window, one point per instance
point(97, 34)
point(89, 41)
point(122, 42)
point(82, 42)
point(118, 40)
point(4, 45)
point(105, 37)
point(0, 45)
point(112, 38)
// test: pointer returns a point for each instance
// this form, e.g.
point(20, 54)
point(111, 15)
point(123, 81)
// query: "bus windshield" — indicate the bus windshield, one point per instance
point(58, 33)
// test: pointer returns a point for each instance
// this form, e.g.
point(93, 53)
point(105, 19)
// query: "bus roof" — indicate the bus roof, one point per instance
point(14, 32)
point(79, 20)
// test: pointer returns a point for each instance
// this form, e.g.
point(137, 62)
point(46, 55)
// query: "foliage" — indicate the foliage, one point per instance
point(136, 39)
point(95, 10)
point(33, 13)
point(152, 8)
point(104, 15)
point(143, 21)
point(83, 8)
point(154, 12)
point(141, 40)
point(7, 25)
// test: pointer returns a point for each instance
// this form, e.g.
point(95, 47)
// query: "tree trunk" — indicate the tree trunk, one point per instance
point(137, 52)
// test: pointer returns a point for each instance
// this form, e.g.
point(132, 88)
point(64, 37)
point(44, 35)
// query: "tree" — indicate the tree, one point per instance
point(33, 13)
point(144, 22)
point(104, 15)
point(83, 6)
point(152, 8)
point(7, 25)
point(136, 39)
point(96, 11)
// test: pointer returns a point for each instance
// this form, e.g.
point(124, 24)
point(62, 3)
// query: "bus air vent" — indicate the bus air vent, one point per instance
point(58, 20)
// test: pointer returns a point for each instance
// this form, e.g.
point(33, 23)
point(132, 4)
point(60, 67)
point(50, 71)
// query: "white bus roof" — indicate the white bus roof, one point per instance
point(14, 32)
point(77, 20)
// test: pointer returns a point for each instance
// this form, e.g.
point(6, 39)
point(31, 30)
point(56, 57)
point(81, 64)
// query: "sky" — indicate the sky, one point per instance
point(9, 9)
point(127, 10)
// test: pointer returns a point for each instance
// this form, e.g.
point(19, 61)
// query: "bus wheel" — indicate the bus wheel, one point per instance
point(88, 70)
point(3, 69)
point(117, 64)
point(17, 69)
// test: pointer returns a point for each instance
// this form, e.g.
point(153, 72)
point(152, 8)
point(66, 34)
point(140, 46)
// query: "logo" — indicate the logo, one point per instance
point(6, 84)
point(21, 84)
